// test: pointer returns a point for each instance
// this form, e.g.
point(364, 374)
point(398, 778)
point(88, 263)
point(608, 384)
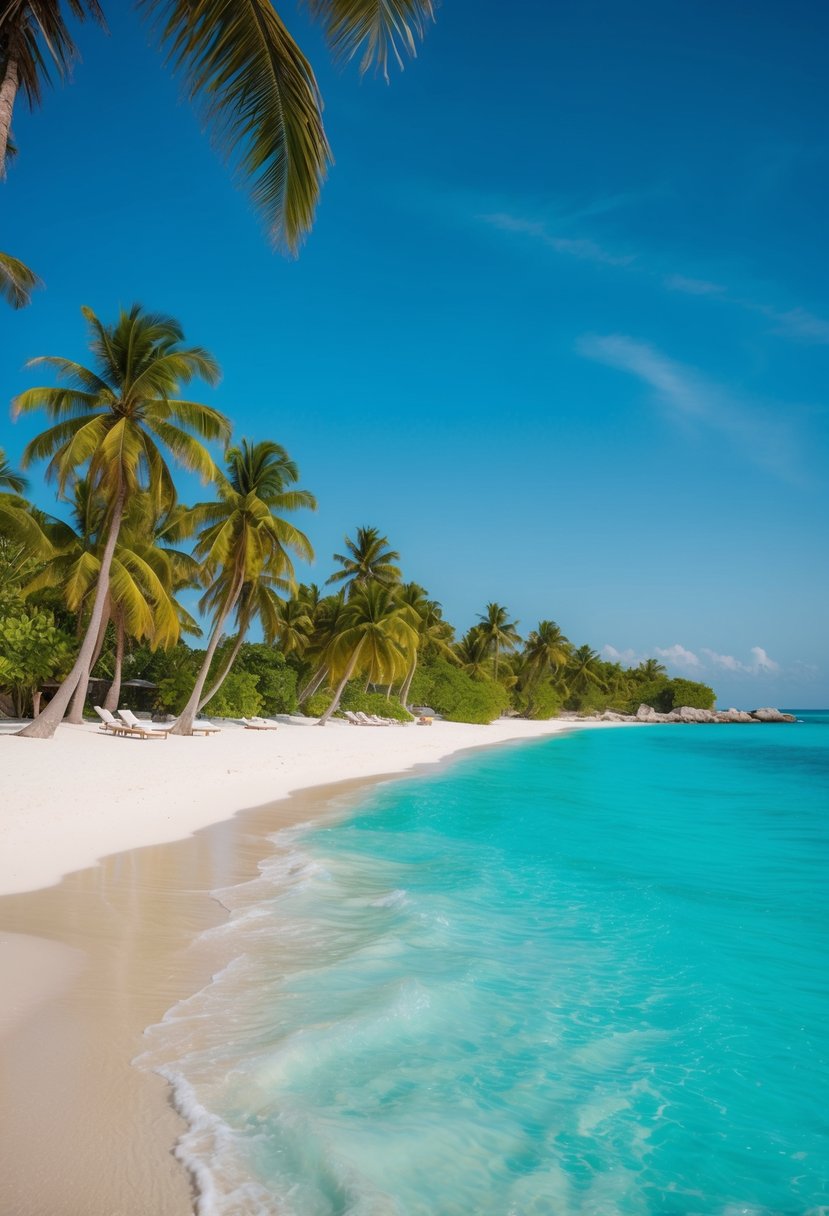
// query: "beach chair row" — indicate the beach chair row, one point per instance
point(128, 726)
point(358, 718)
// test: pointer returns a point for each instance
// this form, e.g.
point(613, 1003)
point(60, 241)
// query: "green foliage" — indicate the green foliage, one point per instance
point(238, 697)
point(32, 649)
point(277, 681)
point(453, 693)
point(316, 705)
point(691, 693)
point(174, 671)
point(354, 698)
point(540, 702)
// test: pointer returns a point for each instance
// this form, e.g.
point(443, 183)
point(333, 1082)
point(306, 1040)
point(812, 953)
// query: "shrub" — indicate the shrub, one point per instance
point(32, 649)
point(451, 692)
point(540, 702)
point(238, 697)
point(354, 698)
point(690, 693)
point(316, 705)
point(277, 681)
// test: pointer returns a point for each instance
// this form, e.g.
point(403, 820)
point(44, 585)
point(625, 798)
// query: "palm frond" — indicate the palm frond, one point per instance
point(17, 281)
point(258, 97)
point(380, 28)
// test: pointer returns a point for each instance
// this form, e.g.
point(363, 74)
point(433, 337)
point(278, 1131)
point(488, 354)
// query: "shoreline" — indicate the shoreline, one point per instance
point(128, 930)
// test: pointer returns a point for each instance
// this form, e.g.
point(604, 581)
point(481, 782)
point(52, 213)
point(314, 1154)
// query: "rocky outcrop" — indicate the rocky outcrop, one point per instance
point(690, 715)
point(772, 715)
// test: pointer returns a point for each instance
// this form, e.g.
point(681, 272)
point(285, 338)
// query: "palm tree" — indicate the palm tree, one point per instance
point(375, 634)
point(34, 36)
point(10, 479)
point(111, 422)
point(368, 560)
point(244, 540)
point(584, 671)
point(499, 632)
point(17, 281)
point(473, 654)
point(256, 90)
point(294, 626)
point(546, 651)
point(327, 622)
point(433, 632)
point(650, 669)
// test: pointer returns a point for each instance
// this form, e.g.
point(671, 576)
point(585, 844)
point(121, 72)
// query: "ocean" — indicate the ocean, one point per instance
point(586, 975)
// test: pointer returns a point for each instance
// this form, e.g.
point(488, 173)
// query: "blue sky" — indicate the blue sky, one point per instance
point(561, 330)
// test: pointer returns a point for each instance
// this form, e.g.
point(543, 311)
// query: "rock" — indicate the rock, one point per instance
point(645, 712)
point(734, 715)
point(689, 713)
point(770, 714)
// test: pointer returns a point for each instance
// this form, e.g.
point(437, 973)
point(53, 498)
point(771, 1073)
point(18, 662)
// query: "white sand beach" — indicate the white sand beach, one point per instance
point(109, 850)
point(69, 801)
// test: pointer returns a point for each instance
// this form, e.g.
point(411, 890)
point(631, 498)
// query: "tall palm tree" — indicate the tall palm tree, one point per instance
point(34, 37)
point(114, 422)
point(17, 281)
point(433, 632)
point(473, 654)
point(376, 634)
point(651, 669)
point(245, 540)
point(546, 651)
point(327, 620)
point(369, 559)
point(499, 632)
point(256, 90)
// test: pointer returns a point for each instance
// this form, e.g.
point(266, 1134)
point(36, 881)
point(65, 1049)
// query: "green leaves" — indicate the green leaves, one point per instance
point(259, 99)
point(17, 281)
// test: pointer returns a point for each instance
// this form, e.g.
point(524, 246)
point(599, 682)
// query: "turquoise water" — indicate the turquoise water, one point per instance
point(586, 975)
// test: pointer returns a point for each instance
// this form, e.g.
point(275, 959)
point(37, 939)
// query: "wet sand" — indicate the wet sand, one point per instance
point(82, 1131)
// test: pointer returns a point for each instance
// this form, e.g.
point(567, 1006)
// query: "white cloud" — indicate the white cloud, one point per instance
point(723, 660)
point(679, 656)
point(688, 395)
point(582, 248)
point(692, 287)
point(762, 661)
point(619, 656)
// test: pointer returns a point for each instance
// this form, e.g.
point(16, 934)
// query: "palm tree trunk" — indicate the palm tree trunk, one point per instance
point(46, 723)
point(75, 716)
point(8, 93)
point(349, 671)
point(313, 684)
point(187, 717)
point(407, 683)
point(114, 694)
point(237, 646)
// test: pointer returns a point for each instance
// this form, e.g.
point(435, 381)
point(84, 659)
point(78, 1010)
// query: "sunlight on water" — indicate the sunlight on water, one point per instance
point(583, 976)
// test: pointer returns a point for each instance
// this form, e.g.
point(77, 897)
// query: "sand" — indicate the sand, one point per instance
point(87, 963)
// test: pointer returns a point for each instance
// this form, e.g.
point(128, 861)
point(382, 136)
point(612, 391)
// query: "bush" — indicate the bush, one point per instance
point(690, 693)
point(277, 681)
point(354, 698)
point(316, 705)
point(32, 649)
point(238, 697)
point(451, 692)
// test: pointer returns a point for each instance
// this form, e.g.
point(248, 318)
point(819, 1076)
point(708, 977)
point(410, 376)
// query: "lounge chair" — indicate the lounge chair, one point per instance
point(109, 723)
point(351, 717)
point(144, 729)
point(259, 724)
point(368, 719)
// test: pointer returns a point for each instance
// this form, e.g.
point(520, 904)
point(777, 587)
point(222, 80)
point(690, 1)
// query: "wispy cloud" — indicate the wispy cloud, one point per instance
point(577, 247)
point(761, 662)
point(620, 656)
point(689, 396)
point(679, 656)
point(693, 287)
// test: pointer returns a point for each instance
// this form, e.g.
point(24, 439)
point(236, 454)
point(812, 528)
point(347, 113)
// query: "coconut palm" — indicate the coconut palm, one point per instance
point(294, 625)
point(650, 669)
point(375, 634)
point(472, 653)
point(369, 559)
point(327, 621)
point(34, 38)
point(433, 632)
point(114, 421)
point(498, 631)
point(244, 540)
point(545, 653)
point(584, 671)
point(17, 281)
point(256, 90)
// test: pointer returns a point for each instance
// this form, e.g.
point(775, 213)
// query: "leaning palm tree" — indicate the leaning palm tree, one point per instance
point(499, 632)
point(327, 620)
point(114, 421)
point(376, 635)
point(245, 540)
point(17, 281)
point(368, 560)
point(256, 90)
point(433, 632)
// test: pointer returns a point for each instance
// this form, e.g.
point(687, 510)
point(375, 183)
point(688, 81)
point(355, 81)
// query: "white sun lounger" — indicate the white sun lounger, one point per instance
point(146, 729)
point(259, 724)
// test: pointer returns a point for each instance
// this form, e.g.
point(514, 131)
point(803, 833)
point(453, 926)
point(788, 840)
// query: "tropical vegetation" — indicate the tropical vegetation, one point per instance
point(104, 592)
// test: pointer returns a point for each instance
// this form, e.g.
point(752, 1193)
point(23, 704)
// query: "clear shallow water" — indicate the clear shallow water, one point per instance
point(587, 975)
